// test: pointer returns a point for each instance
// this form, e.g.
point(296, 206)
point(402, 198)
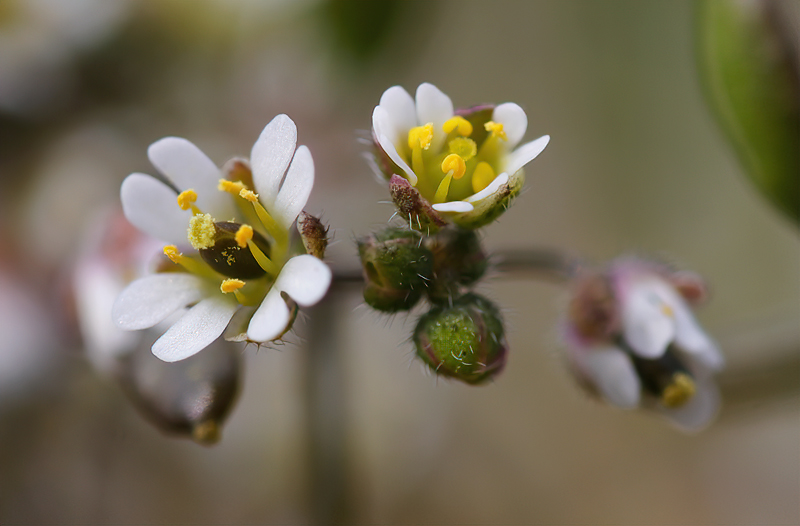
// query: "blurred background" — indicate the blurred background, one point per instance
point(343, 424)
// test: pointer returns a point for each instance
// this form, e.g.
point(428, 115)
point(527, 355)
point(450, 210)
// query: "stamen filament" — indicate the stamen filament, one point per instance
point(263, 261)
point(191, 265)
point(444, 187)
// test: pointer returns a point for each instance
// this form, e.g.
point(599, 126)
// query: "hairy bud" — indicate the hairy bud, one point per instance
point(464, 341)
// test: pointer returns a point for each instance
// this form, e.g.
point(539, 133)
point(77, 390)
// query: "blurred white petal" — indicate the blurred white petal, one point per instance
point(613, 375)
point(436, 107)
point(491, 189)
point(305, 279)
point(152, 207)
point(149, 300)
point(400, 112)
point(271, 318)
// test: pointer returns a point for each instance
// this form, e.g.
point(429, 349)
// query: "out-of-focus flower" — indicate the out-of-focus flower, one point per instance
point(242, 261)
point(632, 338)
point(191, 398)
point(39, 40)
point(465, 165)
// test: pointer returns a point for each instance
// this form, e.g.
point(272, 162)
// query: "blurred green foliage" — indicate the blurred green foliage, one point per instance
point(749, 63)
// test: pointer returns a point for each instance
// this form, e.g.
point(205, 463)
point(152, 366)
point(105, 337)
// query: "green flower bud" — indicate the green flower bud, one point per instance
point(397, 267)
point(464, 341)
point(458, 260)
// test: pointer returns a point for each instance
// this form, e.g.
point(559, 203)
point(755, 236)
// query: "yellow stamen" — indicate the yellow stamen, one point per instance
point(482, 176)
point(496, 129)
point(263, 261)
point(462, 125)
point(667, 310)
point(202, 231)
point(680, 391)
point(232, 187)
point(171, 251)
point(231, 285)
point(454, 165)
point(243, 235)
point(464, 147)
point(193, 266)
point(186, 200)
point(420, 136)
point(248, 195)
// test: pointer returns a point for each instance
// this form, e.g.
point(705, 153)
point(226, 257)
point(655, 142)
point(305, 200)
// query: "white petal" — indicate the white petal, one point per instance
point(187, 167)
point(271, 155)
point(296, 188)
point(525, 154)
point(305, 279)
point(699, 411)
point(646, 321)
point(436, 107)
point(152, 207)
point(400, 111)
point(196, 330)
point(391, 151)
point(493, 187)
point(614, 375)
point(690, 337)
point(514, 122)
point(453, 206)
point(271, 318)
point(150, 300)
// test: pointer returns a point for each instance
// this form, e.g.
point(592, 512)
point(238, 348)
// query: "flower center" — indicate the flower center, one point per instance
point(464, 164)
point(243, 259)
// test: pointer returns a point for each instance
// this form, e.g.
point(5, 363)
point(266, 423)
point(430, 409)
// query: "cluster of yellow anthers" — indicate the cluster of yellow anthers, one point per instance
point(203, 234)
point(461, 156)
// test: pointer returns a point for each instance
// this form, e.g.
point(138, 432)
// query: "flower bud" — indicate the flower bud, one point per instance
point(189, 398)
point(458, 260)
point(313, 233)
point(464, 341)
point(413, 207)
point(397, 267)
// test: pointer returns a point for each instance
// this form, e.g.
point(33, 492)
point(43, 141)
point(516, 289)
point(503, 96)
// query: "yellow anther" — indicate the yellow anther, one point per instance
point(667, 310)
point(464, 147)
point(231, 285)
point(171, 251)
point(459, 123)
point(680, 391)
point(186, 199)
point(482, 176)
point(243, 235)
point(420, 136)
point(249, 195)
point(202, 231)
point(454, 165)
point(232, 187)
point(496, 129)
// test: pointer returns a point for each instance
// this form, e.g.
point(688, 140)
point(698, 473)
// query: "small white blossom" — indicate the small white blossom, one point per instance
point(631, 337)
point(466, 164)
point(241, 257)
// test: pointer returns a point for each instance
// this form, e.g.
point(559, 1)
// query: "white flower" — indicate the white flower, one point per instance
point(631, 336)
point(243, 257)
point(463, 163)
